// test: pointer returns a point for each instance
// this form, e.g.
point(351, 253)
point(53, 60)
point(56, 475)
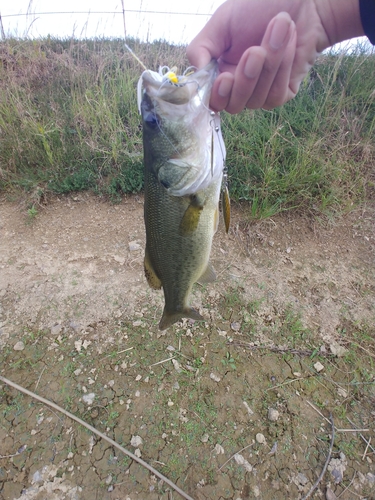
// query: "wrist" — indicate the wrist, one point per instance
point(341, 19)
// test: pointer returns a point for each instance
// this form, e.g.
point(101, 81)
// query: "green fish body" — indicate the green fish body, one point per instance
point(183, 162)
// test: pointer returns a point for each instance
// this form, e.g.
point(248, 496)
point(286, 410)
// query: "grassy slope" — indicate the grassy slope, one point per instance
point(69, 121)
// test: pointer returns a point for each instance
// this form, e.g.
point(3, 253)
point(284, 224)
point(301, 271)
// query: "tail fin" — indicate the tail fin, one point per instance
point(169, 319)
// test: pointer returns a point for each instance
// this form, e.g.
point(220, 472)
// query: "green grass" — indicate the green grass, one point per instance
point(69, 122)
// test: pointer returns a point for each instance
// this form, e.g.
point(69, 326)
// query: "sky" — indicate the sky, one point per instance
point(176, 22)
point(149, 20)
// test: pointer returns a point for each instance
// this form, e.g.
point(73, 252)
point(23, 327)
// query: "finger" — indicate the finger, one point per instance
point(281, 90)
point(276, 42)
point(246, 78)
point(212, 40)
point(198, 57)
point(221, 91)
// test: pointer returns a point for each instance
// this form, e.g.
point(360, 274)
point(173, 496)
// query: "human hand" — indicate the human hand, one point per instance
point(264, 49)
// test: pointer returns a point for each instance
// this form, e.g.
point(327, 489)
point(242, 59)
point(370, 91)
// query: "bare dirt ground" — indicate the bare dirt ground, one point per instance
point(236, 408)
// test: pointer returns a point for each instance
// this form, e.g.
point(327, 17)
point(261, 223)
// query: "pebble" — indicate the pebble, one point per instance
point(337, 349)
point(219, 450)
point(235, 326)
point(302, 479)
point(240, 460)
point(89, 398)
point(318, 366)
point(205, 438)
point(214, 377)
point(273, 415)
point(56, 329)
point(133, 245)
point(136, 441)
point(19, 346)
point(260, 438)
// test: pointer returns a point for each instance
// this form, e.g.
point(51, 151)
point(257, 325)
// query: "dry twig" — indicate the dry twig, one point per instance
point(316, 484)
point(282, 350)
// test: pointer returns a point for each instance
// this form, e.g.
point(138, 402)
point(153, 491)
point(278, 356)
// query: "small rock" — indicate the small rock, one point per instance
point(56, 329)
point(302, 479)
point(205, 438)
point(136, 441)
point(133, 245)
point(273, 415)
point(235, 326)
point(37, 477)
point(109, 479)
point(89, 398)
point(214, 377)
point(260, 438)
point(19, 346)
point(337, 467)
point(177, 366)
point(219, 450)
point(240, 460)
point(318, 366)
point(337, 349)
point(256, 491)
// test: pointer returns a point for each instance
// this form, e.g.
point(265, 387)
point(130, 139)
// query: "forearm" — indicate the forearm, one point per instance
point(341, 20)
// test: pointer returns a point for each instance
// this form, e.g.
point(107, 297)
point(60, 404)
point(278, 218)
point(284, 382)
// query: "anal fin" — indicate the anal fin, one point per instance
point(208, 276)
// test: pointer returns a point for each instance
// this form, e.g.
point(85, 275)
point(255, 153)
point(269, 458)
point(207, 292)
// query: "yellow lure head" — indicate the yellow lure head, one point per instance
point(172, 77)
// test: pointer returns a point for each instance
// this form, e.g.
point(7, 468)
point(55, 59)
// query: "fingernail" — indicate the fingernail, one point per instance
point(251, 68)
point(280, 31)
point(225, 87)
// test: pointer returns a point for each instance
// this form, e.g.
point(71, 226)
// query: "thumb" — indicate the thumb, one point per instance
point(211, 41)
point(198, 55)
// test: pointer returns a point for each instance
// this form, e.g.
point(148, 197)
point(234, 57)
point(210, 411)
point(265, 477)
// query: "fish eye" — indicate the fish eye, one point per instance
point(152, 120)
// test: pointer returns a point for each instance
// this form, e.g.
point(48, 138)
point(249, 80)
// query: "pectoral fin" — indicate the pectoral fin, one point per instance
point(151, 276)
point(190, 219)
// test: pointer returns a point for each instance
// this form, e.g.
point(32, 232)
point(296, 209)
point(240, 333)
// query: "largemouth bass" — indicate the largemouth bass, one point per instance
point(184, 157)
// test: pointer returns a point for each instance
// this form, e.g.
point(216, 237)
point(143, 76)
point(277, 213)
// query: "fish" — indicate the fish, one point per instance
point(184, 156)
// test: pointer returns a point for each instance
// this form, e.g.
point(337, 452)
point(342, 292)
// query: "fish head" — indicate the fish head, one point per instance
point(179, 129)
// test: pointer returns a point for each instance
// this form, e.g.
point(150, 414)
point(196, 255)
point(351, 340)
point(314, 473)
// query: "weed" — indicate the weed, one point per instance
point(32, 212)
point(229, 361)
